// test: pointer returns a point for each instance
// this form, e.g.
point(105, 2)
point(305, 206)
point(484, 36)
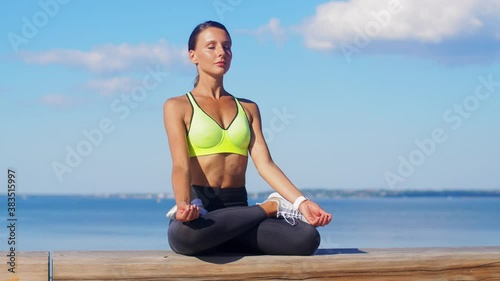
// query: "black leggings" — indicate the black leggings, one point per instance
point(232, 226)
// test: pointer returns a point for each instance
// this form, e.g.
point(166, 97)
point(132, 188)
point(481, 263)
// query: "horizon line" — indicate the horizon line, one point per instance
point(170, 193)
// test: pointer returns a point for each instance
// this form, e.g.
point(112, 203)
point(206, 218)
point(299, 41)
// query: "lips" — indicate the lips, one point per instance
point(220, 63)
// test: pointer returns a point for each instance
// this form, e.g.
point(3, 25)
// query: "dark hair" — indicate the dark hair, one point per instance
point(194, 36)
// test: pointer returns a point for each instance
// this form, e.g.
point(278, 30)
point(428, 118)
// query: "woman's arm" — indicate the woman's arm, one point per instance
point(174, 116)
point(274, 176)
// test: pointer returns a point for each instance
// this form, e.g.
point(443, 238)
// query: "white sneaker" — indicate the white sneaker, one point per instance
point(286, 209)
point(197, 201)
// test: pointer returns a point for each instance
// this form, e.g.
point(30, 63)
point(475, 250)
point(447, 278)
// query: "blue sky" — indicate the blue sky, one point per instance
point(353, 94)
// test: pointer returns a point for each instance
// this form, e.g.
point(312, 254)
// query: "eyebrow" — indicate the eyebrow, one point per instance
point(214, 41)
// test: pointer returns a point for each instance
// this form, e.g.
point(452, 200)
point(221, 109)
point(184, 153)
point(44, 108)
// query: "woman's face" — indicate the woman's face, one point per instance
point(212, 53)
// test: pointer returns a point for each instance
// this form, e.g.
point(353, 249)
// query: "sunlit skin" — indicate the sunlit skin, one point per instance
point(212, 56)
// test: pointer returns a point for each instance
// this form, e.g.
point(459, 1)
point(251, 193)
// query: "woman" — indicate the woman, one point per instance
point(210, 134)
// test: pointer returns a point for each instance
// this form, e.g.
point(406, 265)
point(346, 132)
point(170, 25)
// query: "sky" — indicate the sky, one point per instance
point(395, 94)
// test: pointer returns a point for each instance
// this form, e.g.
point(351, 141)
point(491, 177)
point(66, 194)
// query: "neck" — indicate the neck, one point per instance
point(210, 86)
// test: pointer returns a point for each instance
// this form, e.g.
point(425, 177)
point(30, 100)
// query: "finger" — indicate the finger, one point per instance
point(181, 215)
point(195, 213)
point(323, 220)
point(187, 213)
point(325, 217)
point(314, 217)
point(329, 218)
point(315, 221)
point(320, 221)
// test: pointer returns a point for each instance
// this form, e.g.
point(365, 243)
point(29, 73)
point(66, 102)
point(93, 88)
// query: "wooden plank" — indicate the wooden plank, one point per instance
point(32, 266)
point(469, 263)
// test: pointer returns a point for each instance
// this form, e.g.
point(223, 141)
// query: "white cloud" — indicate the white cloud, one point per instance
point(58, 100)
point(423, 21)
point(271, 30)
point(112, 58)
point(111, 86)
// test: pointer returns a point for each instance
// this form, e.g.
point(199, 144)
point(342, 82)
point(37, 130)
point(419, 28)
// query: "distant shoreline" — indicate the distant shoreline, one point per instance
point(316, 193)
point(384, 193)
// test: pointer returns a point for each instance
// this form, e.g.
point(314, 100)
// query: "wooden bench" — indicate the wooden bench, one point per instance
point(468, 263)
point(32, 266)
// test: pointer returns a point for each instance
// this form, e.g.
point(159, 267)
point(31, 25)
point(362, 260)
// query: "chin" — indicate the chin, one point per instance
point(220, 72)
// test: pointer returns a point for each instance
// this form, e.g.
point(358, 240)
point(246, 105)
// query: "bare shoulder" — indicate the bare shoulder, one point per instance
point(249, 105)
point(251, 108)
point(176, 104)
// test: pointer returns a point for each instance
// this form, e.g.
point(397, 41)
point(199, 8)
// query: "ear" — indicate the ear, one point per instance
point(192, 57)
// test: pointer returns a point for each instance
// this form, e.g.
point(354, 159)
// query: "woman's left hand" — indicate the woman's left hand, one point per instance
point(314, 214)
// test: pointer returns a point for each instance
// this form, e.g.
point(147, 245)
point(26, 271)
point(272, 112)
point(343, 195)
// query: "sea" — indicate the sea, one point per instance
point(64, 223)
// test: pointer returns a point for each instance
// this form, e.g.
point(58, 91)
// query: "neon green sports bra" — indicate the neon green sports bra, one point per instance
point(207, 137)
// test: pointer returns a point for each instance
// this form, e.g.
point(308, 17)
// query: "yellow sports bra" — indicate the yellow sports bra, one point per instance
point(207, 137)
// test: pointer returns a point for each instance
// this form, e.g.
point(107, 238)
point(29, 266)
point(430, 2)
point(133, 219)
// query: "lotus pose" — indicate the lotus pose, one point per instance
point(210, 135)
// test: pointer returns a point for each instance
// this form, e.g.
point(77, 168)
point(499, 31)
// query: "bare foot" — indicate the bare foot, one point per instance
point(270, 207)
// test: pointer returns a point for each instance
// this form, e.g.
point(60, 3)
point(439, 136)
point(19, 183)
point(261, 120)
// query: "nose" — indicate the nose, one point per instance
point(221, 51)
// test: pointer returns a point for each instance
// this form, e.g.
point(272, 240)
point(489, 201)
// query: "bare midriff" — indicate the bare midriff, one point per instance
point(221, 170)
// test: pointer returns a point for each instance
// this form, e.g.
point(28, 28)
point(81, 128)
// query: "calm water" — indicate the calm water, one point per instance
point(85, 223)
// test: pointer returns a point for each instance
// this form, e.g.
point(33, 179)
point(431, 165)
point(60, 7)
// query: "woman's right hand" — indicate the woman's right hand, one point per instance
point(186, 212)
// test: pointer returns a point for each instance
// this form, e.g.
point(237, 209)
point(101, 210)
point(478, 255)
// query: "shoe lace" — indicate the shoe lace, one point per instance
point(290, 215)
